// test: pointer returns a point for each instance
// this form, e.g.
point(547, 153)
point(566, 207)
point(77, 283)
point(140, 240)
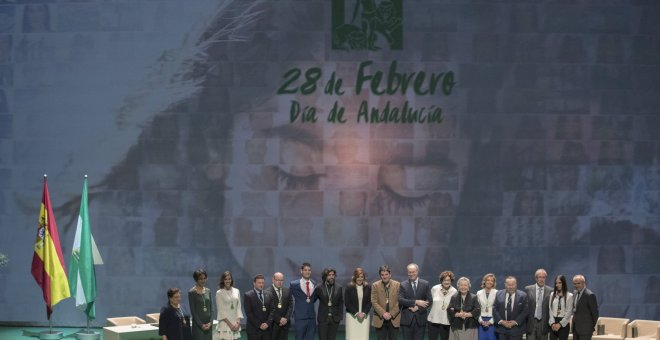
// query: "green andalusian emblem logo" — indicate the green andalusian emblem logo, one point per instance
point(373, 25)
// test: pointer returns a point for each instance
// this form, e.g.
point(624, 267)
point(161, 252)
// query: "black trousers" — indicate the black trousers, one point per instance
point(280, 332)
point(387, 332)
point(438, 330)
point(257, 334)
point(413, 331)
point(328, 329)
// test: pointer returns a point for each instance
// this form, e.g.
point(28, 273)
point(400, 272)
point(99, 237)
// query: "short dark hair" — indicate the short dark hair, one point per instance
point(172, 291)
point(257, 277)
point(384, 268)
point(305, 264)
point(198, 273)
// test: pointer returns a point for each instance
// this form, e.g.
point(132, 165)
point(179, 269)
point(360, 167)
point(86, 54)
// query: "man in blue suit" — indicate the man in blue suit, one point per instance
point(510, 311)
point(414, 300)
point(303, 305)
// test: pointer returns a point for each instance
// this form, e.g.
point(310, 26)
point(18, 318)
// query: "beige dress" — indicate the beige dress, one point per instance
point(229, 307)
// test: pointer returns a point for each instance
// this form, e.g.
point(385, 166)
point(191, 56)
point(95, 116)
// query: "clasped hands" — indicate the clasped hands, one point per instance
point(509, 323)
point(418, 303)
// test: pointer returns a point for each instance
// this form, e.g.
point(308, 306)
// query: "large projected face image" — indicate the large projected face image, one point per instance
point(341, 195)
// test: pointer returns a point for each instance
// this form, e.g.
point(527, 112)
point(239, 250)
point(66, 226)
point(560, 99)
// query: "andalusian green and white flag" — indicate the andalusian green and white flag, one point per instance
point(84, 255)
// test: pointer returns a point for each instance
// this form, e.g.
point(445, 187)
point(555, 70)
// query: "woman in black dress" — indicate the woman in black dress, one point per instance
point(173, 323)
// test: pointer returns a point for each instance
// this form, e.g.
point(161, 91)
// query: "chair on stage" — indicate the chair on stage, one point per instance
point(153, 318)
point(643, 330)
point(125, 321)
point(610, 329)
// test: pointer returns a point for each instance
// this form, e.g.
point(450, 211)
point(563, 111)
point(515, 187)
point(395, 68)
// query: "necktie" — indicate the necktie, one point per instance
point(261, 298)
point(539, 302)
point(508, 307)
point(575, 302)
point(279, 294)
point(307, 284)
point(414, 285)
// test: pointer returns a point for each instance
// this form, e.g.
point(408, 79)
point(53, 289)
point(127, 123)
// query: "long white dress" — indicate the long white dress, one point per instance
point(356, 330)
point(229, 307)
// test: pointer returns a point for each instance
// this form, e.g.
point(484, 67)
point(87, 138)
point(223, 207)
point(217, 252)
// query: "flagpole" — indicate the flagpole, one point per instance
point(83, 259)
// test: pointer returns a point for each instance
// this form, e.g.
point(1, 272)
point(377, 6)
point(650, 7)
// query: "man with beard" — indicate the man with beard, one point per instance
point(331, 297)
point(385, 301)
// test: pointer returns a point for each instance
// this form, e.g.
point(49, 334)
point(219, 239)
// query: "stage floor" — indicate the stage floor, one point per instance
point(12, 333)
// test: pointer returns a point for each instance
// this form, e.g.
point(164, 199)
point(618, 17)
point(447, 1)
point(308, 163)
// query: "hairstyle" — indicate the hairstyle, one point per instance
point(536, 273)
point(483, 280)
point(224, 275)
point(563, 290)
point(384, 268)
point(447, 273)
point(464, 279)
point(413, 265)
point(327, 271)
point(199, 273)
point(172, 291)
point(356, 274)
point(305, 264)
point(257, 277)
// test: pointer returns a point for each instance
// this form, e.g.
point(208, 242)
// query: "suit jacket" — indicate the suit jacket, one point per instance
point(302, 310)
point(519, 312)
point(254, 312)
point(351, 299)
point(286, 305)
point(531, 291)
point(337, 299)
point(586, 313)
point(471, 305)
point(379, 302)
point(407, 299)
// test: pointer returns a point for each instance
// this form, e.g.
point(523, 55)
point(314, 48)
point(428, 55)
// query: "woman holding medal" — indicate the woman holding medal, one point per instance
point(463, 310)
point(201, 303)
point(357, 299)
point(561, 309)
point(173, 323)
point(486, 297)
point(438, 320)
point(228, 301)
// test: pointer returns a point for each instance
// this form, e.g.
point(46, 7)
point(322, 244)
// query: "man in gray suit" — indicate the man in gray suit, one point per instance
point(585, 310)
point(538, 296)
point(414, 300)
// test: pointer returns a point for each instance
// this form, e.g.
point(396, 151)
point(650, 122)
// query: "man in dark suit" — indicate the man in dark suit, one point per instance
point(538, 296)
point(282, 306)
point(303, 307)
point(414, 299)
point(331, 304)
point(258, 310)
point(585, 310)
point(510, 311)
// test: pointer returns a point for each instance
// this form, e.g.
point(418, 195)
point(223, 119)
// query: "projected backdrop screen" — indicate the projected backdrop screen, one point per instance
point(253, 136)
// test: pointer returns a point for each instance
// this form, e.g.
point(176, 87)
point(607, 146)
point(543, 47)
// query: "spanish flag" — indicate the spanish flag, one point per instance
point(47, 262)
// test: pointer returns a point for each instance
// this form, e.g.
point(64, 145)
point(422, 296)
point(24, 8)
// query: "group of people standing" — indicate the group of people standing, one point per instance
point(409, 307)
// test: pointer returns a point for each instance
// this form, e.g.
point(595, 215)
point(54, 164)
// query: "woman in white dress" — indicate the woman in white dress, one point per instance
point(438, 318)
point(486, 297)
point(357, 300)
point(228, 300)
